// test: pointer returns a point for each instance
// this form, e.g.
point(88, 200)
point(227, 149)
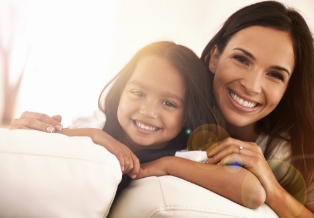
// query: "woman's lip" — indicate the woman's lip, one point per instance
point(239, 107)
point(244, 98)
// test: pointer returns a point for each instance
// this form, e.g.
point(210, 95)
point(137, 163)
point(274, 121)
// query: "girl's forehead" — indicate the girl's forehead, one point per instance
point(159, 73)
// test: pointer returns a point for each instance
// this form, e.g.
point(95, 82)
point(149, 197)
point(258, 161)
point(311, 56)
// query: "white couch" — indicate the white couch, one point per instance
point(52, 175)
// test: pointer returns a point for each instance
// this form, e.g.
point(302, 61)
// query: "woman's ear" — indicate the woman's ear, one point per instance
point(214, 57)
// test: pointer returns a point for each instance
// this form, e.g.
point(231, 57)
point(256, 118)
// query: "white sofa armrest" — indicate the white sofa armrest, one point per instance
point(52, 175)
point(169, 196)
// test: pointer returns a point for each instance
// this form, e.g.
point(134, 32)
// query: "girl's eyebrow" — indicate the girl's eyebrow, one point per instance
point(168, 94)
point(252, 56)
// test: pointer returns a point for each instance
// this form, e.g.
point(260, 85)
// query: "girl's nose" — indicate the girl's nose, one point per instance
point(149, 110)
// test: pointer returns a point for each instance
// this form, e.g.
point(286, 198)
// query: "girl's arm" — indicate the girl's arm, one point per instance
point(251, 157)
point(128, 161)
point(232, 182)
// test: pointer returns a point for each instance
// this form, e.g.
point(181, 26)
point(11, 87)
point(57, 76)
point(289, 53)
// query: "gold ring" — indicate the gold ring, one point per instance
point(241, 147)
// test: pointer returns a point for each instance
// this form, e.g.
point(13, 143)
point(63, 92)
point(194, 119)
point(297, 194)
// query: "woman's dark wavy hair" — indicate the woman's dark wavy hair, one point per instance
point(197, 99)
point(295, 112)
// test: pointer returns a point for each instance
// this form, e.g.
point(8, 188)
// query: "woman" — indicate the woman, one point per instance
point(261, 64)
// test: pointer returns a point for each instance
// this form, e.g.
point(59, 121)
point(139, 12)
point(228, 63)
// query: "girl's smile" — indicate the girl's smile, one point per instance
point(144, 127)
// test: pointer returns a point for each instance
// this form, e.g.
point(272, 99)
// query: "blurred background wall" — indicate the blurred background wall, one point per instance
point(56, 55)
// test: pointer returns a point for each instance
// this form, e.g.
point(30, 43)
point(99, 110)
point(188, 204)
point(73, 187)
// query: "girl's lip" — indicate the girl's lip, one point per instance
point(240, 107)
point(149, 127)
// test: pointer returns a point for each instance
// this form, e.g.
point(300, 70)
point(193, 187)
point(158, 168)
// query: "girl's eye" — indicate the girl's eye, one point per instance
point(241, 59)
point(138, 93)
point(276, 76)
point(169, 104)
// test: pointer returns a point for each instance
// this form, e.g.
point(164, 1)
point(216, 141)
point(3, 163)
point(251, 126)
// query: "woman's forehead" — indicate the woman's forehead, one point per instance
point(264, 43)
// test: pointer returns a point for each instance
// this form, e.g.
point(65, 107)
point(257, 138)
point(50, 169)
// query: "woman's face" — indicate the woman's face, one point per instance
point(252, 74)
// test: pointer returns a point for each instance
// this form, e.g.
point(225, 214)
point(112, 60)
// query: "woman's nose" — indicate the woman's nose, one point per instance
point(252, 82)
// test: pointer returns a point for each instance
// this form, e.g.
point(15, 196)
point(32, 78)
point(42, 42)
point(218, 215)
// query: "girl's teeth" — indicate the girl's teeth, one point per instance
point(142, 126)
point(242, 101)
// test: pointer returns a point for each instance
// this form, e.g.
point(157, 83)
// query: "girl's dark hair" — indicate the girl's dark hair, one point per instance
point(295, 112)
point(197, 108)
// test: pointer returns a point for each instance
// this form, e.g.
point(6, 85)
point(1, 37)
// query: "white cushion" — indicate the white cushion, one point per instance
point(52, 175)
point(169, 196)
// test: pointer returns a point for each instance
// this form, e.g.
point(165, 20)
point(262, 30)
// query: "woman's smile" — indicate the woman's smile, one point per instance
point(243, 104)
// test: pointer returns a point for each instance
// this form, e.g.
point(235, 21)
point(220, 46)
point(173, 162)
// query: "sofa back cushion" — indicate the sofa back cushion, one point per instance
point(52, 175)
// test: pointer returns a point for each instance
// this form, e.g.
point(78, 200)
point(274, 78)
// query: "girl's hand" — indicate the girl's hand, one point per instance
point(246, 154)
point(37, 121)
point(129, 163)
point(154, 168)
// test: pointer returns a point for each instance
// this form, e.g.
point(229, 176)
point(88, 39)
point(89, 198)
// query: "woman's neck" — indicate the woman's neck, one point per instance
point(245, 133)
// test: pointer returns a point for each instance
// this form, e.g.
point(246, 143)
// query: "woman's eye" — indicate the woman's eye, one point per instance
point(276, 75)
point(169, 104)
point(241, 59)
point(138, 93)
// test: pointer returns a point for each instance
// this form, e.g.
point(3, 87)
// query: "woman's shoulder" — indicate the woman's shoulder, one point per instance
point(278, 148)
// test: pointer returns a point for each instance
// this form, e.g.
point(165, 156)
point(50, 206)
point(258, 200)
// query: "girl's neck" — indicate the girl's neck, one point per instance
point(134, 147)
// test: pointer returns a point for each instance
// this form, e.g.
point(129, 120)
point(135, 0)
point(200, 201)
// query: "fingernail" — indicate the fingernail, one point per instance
point(58, 127)
point(218, 163)
point(122, 168)
point(50, 129)
point(133, 176)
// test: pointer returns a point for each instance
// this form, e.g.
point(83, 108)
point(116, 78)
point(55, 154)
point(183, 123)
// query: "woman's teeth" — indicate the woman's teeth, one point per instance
point(142, 126)
point(242, 102)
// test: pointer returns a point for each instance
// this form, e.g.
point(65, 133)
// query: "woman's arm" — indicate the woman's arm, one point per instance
point(128, 161)
point(232, 182)
point(37, 121)
point(251, 157)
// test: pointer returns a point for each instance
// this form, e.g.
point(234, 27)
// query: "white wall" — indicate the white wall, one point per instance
point(77, 46)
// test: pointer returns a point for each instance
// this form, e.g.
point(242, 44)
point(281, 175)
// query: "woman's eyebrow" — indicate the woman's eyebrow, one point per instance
point(246, 52)
point(252, 56)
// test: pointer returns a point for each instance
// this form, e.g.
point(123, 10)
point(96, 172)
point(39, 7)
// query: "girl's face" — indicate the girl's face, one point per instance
point(151, 107)
point(252, 74)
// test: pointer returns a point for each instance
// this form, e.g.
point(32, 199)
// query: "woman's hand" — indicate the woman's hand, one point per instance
point(37, 121)
point(154, 168)
point(250, 156)
point(246, 154)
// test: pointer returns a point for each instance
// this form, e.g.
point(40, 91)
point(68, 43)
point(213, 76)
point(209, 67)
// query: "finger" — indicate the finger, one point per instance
point(41, 117)
point(120, 157)
point(141, 174)
point(233, 160)
point(129, 165)
point(57, 118)
point(224, 153)
point(136, 167)
point(31, 124)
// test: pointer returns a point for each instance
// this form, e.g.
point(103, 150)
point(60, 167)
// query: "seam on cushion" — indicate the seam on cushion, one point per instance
point(163, 198)
point(53, 156)
point(109, 206)
point(201, 210)
point(223, 213)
